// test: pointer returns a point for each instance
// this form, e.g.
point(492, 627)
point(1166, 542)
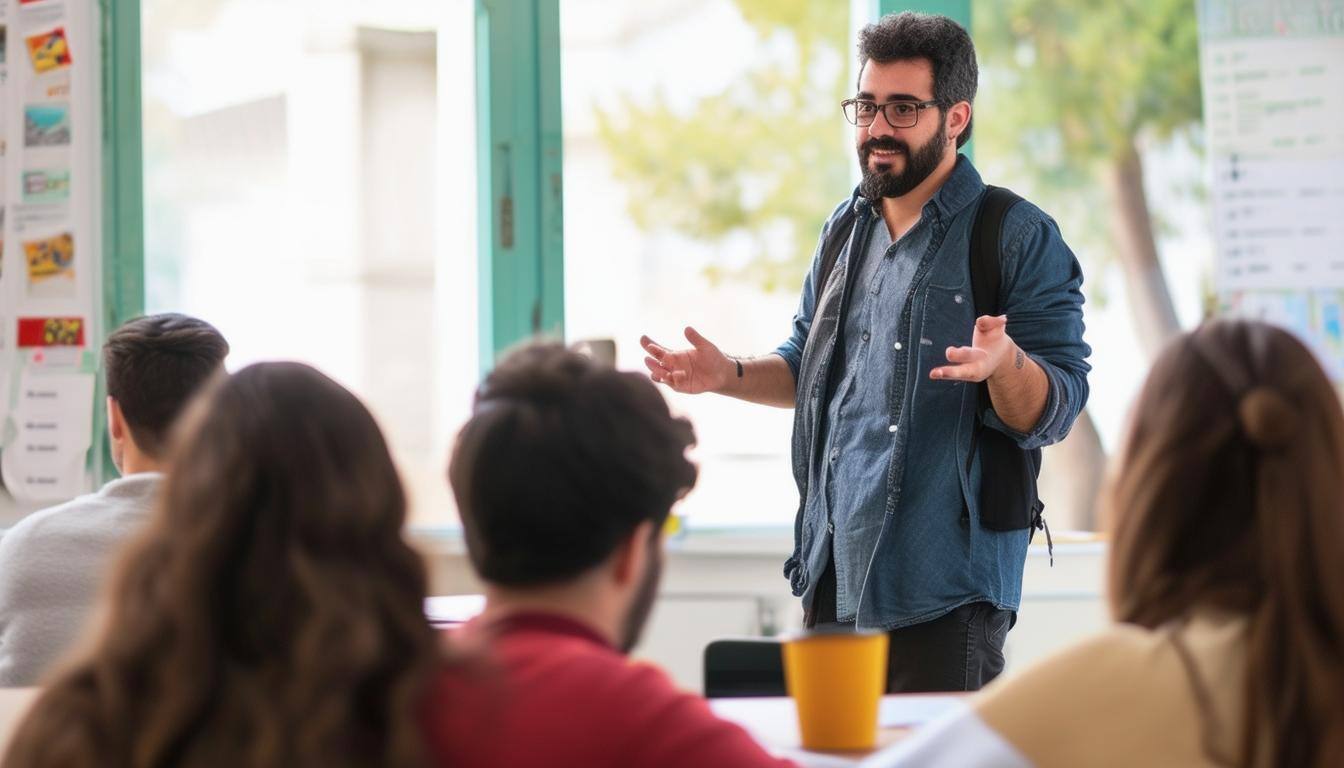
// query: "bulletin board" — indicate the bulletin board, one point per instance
point(50, 254)
point(1273, 83)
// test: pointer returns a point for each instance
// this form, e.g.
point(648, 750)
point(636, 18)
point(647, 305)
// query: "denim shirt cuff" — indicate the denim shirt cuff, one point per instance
point(1040, 435)
point(792, 355)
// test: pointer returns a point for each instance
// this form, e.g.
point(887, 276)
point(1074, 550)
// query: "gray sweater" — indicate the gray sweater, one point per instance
point(53, 565)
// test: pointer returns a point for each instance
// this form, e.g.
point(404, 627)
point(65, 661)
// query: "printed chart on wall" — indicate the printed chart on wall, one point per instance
point(1273, 78)
point(49, 271)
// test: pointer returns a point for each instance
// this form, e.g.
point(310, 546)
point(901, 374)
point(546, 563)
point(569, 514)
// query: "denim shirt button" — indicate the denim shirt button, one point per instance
point(898, 346)
point(892, 428)
point(865, 336)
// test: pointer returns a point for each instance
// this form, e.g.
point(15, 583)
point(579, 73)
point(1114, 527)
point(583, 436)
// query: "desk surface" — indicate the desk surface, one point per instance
point(773, 722)
point(14, 702)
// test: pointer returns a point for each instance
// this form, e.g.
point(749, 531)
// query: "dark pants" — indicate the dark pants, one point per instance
point(959, 651)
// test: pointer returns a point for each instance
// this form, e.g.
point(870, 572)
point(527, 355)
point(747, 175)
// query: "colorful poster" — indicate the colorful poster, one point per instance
point(43, 187)
point(50, 301)
point(51, 332)
point(49, 51)
point(46, 125)
point(51, 266)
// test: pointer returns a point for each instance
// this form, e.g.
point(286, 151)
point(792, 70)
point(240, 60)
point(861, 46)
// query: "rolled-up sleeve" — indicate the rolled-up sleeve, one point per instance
point(1043, 299)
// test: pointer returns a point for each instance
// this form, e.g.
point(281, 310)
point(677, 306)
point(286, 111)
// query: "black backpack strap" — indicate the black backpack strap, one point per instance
point(986, 278)
point(836, 237)
point(986, 234)
point(986, 268)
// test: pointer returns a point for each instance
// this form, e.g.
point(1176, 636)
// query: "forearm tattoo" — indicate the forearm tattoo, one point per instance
point(1020, 360)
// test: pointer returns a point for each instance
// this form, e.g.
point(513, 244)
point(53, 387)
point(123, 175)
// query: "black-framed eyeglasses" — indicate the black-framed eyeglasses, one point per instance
point(901, 113)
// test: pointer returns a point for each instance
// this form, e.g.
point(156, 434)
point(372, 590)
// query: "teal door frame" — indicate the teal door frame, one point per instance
point(520, 170)
point(123, 210)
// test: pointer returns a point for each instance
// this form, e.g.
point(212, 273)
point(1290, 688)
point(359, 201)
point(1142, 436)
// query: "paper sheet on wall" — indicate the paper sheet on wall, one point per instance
point(53, 420)
point(49, 255)
point(1273, 85)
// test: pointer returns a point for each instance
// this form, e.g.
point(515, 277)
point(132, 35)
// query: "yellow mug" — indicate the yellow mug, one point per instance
point(836, 679)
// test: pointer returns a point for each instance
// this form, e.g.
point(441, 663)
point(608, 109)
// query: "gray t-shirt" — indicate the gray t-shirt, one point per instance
point(52, 567)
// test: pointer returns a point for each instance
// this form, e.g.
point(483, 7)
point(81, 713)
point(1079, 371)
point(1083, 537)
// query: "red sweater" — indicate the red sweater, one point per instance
point(551, 692)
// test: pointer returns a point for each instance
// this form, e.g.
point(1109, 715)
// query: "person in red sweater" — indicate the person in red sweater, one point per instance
point(564, 476)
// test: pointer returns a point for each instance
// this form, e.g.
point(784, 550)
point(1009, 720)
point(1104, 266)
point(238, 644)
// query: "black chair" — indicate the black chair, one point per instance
point(741, 667)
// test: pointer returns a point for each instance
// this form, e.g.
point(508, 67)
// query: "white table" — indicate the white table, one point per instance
point(450, 610)
point(773, 722)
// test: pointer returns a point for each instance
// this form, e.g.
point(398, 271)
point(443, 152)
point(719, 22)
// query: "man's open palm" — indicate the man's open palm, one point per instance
point(702, 368)
point(990, 347)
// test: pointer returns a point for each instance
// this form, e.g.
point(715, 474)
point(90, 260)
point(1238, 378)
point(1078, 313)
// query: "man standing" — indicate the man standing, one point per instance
point(918, 424)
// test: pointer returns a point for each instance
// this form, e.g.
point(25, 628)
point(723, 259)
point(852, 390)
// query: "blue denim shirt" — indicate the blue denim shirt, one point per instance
point(850, 493)
point(912, 528)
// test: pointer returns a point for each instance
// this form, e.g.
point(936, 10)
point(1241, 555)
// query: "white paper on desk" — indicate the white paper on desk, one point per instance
point(913, 710)
point(47, 459)
point(957, 737)
point(805, 759)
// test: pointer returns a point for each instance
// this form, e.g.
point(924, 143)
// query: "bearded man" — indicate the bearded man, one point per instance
point(938, 345)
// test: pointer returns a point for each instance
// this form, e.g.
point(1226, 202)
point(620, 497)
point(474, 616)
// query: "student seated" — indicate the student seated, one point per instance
point(270, 613)
point(564, 476)
point(52, 563)
point(1226, 571)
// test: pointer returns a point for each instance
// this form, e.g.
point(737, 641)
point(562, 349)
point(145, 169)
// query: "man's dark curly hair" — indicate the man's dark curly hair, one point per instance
point(561, 460)
point(938, 39)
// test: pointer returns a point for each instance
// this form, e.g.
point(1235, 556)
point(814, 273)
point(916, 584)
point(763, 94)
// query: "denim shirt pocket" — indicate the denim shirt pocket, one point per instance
point(948, 321)
point(938, 407)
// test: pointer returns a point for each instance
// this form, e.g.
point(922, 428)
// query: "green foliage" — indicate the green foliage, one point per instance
point(1067, 87)
point(762, 158)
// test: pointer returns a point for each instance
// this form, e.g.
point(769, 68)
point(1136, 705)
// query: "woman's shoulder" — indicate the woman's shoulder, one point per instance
point(1118, 691)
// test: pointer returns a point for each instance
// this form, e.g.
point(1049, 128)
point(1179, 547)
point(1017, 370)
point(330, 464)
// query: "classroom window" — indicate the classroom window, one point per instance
point(305, 192)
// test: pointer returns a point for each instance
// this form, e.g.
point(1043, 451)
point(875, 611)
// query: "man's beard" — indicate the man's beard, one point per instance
point(918, 165)
point(645, 595)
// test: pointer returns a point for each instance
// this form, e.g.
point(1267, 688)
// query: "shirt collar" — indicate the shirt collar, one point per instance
point(541, 621)
point(130, 486)
point(962, 187)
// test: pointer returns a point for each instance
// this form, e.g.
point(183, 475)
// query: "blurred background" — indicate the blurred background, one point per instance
point(312, 184)
point(310, 187)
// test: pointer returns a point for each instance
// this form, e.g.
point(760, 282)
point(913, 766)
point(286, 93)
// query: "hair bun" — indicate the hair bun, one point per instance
point(1267, 418)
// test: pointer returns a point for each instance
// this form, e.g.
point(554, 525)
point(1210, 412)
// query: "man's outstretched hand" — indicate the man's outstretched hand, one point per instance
point(991, 348)
point(702, 368)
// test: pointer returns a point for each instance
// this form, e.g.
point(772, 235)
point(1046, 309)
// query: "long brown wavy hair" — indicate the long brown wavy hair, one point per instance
point(271, 614)
point(1230, 497)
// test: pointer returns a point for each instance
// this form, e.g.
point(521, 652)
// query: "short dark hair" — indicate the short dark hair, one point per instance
point(561, 460)
point(944, 43)
point(154, 365)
